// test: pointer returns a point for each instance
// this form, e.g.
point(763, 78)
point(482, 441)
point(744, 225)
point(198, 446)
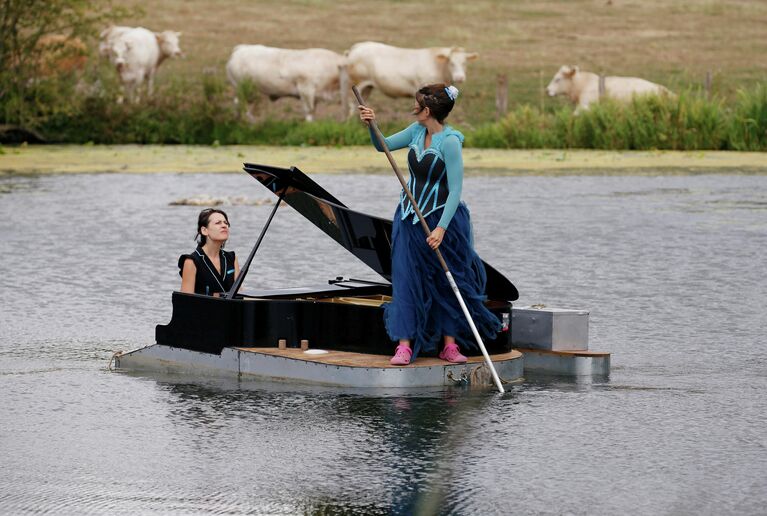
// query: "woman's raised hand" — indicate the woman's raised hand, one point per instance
point(367, 115)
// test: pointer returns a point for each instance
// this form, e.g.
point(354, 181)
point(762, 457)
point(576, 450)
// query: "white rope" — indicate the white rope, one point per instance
point(478, 377)
point(116, 354)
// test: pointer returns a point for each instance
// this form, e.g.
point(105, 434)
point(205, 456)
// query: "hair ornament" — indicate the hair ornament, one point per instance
point(452, 92)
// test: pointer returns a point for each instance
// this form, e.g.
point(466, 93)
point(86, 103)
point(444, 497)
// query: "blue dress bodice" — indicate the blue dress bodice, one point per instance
point(428, 174)
point(433, 175)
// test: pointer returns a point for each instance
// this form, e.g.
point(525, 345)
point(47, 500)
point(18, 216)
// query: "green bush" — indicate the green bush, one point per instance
point(204, 113)
point(685, 122)
point(748, 123)
point(35, 84)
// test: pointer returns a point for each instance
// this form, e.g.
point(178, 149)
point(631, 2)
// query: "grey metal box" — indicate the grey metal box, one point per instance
point(553, 329)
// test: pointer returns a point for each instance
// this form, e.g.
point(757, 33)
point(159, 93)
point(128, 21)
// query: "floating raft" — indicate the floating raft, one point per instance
point(546, 340)
point(338, 368)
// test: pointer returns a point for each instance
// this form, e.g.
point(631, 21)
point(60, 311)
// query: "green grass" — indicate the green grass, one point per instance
point(203, 112)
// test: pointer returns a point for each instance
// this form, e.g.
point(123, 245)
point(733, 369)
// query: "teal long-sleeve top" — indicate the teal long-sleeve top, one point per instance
point(447, 145)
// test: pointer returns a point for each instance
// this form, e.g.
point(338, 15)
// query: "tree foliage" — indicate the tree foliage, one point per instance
point(26, 93)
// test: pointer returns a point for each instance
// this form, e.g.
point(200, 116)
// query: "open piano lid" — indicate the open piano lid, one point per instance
point(367, 237)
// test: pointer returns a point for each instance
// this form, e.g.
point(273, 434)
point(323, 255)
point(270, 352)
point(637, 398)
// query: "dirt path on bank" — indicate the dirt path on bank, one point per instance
point(47, 159)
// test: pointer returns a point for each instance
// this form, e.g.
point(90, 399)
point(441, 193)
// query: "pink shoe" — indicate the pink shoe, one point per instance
point(401, 355)
point(451, 353)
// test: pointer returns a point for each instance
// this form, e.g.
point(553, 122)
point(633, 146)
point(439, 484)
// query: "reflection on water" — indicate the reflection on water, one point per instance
point(671, 269)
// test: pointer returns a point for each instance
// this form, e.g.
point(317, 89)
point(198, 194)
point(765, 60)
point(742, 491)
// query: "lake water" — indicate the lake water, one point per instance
point(671, 268)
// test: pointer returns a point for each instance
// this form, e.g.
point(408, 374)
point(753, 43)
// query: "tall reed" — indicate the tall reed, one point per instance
point(688, 121)
point(747, 129)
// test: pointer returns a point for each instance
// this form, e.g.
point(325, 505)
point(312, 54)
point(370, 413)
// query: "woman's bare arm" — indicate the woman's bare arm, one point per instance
point(188, 274)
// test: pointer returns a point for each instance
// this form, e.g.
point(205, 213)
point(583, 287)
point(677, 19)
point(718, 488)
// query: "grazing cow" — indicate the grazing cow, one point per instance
point(137, 53)
point(400, 72)
point(582, 88)
point(306, 74)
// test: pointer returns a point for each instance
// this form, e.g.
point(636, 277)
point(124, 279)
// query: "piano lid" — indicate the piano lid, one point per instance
point(367, 237)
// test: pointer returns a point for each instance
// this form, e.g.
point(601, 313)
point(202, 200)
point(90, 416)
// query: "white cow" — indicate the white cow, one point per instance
point(136, 53)
point(582, 88)
point(307, 74)
point(400, 72)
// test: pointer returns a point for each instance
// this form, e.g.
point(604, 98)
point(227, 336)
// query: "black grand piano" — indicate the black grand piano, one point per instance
point(342, 315)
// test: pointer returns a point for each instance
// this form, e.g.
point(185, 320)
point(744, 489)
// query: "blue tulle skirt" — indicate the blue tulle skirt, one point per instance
point(424, 307)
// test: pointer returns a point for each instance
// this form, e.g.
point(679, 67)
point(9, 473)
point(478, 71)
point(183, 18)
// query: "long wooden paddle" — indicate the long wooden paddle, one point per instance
point(427, 231)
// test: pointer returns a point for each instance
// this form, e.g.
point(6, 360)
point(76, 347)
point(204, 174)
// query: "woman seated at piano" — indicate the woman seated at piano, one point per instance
point(424, 309)
point(209, 269)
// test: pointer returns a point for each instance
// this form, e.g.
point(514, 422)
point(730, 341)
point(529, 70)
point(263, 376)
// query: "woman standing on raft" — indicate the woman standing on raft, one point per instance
point(424, 309)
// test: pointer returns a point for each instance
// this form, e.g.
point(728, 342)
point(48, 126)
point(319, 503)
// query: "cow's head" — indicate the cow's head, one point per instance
point(454, 62)
point(168, 41)
point(562, 82)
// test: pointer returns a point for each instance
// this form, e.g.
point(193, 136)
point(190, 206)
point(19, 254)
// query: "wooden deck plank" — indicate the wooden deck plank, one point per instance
point(349, 359)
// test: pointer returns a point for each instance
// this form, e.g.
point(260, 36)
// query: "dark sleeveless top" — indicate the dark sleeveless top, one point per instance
point(208, 281)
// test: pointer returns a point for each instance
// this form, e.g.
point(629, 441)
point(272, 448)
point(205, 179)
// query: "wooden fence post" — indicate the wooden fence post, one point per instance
point(601, 85)
point(501, 95)
point(708, 84)
point(541, 90)
point(345, 88)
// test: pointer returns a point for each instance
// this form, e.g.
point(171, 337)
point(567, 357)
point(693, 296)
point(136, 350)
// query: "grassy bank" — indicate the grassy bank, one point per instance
point(46, 159)
point(689, 121)
point(666, 42)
